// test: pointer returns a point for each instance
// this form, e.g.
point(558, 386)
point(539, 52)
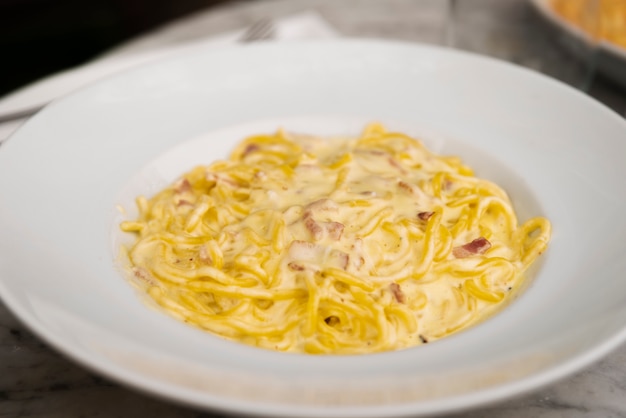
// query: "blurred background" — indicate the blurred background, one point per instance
point(40, 37)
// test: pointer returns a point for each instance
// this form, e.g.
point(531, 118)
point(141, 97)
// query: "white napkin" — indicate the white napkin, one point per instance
point(307, 25)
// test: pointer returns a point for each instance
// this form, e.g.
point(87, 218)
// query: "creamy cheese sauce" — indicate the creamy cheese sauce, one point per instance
point(356, 245)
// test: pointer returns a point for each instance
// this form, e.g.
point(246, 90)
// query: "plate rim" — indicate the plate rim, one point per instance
point(507, 390)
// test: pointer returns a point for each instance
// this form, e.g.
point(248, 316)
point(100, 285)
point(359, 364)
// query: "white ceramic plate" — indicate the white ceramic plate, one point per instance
point(610, 58)
point(557, 152)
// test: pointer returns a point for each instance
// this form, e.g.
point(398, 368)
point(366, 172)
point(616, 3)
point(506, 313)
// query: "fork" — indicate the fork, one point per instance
point(263, 29)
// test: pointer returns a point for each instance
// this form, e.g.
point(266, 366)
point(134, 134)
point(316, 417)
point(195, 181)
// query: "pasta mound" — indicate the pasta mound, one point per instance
point(341, 246)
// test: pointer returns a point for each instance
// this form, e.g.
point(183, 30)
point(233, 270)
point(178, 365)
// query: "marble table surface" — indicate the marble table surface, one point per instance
point(36, 381)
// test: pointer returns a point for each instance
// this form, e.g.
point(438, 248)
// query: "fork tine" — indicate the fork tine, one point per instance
point(261, 30)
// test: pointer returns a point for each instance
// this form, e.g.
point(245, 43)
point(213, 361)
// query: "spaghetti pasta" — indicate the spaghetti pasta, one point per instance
point(301, 244)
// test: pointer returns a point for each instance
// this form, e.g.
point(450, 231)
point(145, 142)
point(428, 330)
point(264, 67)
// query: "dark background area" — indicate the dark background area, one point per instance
point(40, 37)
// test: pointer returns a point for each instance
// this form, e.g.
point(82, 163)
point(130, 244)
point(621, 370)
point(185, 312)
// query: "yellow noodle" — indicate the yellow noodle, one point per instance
point(355, 245)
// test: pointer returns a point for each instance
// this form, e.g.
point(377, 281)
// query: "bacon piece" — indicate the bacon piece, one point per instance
point(368, 193)
point(204, 256)
point(183, 202)
point(334, 229)
point(314, 228)
point(222, 178)
point(250, 149)
point(317, 229)
point(144, 275)
point(295, 266)
point(339, 258)
point(304, 250)
point(405, 186)
point(182, 186)
point(424, 216)
point(397, 292)
point(478, 246)
point(358, 262)
point(396, 164)
point(357, 250)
